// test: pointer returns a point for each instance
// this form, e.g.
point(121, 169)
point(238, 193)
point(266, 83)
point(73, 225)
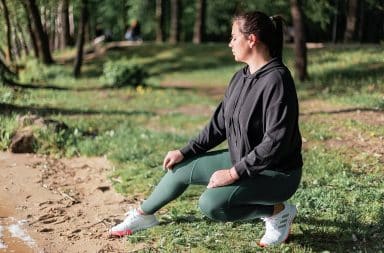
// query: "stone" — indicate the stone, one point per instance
point(23, 141)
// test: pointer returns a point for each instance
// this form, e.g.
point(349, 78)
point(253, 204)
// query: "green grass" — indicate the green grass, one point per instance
point(341, 196)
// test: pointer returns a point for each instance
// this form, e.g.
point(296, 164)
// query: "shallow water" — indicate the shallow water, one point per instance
point(13, 238)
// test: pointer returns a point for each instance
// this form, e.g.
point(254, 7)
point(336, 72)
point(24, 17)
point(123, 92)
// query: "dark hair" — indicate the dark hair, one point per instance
point(268, 30)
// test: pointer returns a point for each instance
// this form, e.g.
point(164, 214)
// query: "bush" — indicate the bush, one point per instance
point(124, 73)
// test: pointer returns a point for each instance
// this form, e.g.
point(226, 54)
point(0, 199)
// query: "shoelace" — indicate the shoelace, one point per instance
point(270, 223)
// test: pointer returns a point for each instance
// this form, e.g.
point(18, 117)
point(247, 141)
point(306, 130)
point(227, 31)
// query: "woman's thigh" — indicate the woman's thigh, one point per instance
point(200, 168)
point(267, 188)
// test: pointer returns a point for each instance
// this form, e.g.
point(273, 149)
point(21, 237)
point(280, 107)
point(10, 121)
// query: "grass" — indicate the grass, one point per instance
point(341, 196)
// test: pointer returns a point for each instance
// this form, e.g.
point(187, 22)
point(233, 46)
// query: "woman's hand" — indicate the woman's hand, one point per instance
point(173, 157)
point(223, 177)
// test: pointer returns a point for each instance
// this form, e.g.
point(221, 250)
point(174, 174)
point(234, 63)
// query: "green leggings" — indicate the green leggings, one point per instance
point(247, 198)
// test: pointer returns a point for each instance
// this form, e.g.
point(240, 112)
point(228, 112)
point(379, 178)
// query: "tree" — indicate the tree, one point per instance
point(352, 12)
point(159, 21)
point(40, 35)
point(32, 35)
point(80, 38)
point(65, 39)
point(8, 27)
point(299, 40)
point(199, 27)
point(175, 21)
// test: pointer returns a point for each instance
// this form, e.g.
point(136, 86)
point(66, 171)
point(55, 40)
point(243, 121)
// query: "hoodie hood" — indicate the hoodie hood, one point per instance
point(270, 66)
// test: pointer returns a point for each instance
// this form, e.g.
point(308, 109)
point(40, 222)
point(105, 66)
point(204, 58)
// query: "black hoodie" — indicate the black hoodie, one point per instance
point(259, 118)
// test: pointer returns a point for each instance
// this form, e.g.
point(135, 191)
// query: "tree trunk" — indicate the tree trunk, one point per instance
point(16, 43)
point(9, 31)
point(22, 38)
point(361, 21)
point(199, 27)
point(175, 22)
point(159, 21)
point(41, 37)
point(335, 23)
point(80, 38)
point(32, 34)
point(350, 30)
point(299, 40)
point(71, 25)
point(65, 38)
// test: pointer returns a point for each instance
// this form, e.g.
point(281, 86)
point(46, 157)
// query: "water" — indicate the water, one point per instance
point(13, 238)
point(2, 245)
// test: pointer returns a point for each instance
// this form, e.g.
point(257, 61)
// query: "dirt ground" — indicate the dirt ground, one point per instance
point(64, 205)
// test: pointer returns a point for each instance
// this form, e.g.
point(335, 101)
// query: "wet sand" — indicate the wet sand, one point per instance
point(12, 244)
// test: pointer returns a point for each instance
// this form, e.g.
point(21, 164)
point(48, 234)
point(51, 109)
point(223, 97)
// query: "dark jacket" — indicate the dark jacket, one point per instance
point(259, 118)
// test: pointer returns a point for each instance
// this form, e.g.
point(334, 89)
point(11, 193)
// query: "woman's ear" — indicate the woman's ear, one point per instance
point(252, 40)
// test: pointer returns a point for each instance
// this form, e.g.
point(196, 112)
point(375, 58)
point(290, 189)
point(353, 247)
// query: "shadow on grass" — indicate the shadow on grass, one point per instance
point(352, 77)
point(44, 111)
point(354, 235)
point(16, 85)
point(354, 109)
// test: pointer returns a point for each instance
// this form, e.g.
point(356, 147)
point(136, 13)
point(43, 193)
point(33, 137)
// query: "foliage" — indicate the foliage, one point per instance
point(124, 73)
point(8, 125)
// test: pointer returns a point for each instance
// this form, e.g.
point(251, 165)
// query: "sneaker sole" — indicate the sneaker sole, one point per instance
point(130, 231)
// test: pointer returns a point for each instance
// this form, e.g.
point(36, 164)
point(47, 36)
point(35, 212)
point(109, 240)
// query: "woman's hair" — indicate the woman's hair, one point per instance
point(268, 30)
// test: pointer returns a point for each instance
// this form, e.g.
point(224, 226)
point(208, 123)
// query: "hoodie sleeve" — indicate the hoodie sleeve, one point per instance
point(280, 116)
point(212, 135)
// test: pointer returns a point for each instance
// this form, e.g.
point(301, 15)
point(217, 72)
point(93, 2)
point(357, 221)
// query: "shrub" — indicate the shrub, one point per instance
point(124, 73)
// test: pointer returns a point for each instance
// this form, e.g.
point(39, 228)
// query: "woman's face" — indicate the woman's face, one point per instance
point(239, 44)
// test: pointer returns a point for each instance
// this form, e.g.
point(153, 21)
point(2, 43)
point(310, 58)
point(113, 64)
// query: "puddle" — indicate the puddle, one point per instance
point(2, 245)
point(13, 236)
point(18, 232)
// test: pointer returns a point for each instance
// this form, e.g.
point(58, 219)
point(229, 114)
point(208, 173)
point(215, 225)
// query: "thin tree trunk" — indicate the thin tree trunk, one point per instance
point(80, 38)
point(41, 36)
point(9, 31)
point(22, 38)
point(71, 25)
point(352, 11)
point(335, 23)
point(299, 40)
point(159, 21)
point(175, 21)
point(199, 27)
point(32, 34)
point(361, 21)
point(16, 43)
point(52, 28)
point(65, 38)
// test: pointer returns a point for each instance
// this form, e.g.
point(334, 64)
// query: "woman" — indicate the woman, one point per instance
point(259, 118)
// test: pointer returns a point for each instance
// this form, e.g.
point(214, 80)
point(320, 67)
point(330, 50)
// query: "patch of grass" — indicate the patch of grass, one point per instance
point(376, 130)
point(314, 130)
point(8, 124)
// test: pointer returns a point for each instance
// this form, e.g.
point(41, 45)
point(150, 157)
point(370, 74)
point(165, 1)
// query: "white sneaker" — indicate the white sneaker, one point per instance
point(132, 223)
point(277, 227)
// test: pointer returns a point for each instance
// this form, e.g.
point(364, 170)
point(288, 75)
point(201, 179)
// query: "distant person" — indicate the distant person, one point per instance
point(102, 35)
point(133, 32)
point(258, 117)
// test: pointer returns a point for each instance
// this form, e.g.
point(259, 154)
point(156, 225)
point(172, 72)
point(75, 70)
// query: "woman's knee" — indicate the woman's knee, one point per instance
point(211, 206)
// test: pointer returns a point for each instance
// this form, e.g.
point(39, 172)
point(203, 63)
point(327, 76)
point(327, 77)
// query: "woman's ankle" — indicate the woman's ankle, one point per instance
point(278, 208)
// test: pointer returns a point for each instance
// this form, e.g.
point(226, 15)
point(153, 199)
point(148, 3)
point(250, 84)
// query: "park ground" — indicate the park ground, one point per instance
point(81, 180)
